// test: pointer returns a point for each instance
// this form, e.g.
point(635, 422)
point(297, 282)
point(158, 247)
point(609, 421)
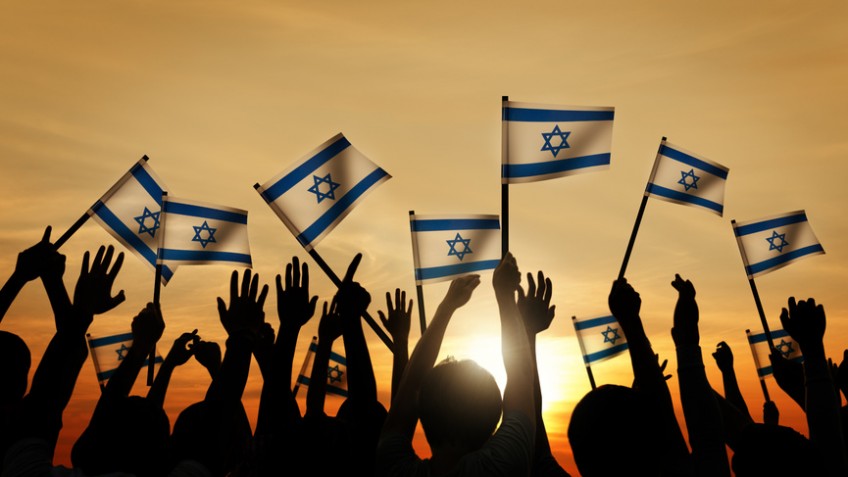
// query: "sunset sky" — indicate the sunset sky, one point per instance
point(222, 95)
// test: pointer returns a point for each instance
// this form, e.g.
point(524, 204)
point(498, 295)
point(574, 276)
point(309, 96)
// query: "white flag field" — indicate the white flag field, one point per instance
point(107, 352)
point(336, 371)
point(600, 338)
point(448, 246)
point(130, 210)
point(317, 192)
point(774, 242)
point(196, 233)
point(545, 141)
point(783, 344)
point(684, 178)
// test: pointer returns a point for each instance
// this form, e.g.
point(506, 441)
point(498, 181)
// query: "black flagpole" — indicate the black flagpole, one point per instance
point(504, 185)
point(756, 294)
point(422, 317)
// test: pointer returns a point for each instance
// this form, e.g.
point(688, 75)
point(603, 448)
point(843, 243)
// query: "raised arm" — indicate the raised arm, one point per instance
point(329, 330)
point(723, 356)
point(353, 301)
point(180, 353)
point(397, 321)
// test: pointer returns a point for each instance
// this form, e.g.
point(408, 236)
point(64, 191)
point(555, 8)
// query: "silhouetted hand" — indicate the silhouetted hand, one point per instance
point(685, 330)
point(399, 316)
point(842, 374)
point(40, 259)
point(535, 307)
point(771, 415)
point(663, 366)
point(294, 305)
point(93, 293)
point(208, 354)
point(183, 348)
point(330, 326)
point(460, 290)
point(624, 302)
point(804, 321)
point(506, 278)
point(789, 376)
point(723, 357)
point(246, 313)
point(147, 327)
point(352, 299)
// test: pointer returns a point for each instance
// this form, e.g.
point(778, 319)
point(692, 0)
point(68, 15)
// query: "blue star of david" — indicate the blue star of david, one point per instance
point(563, 137)
point(784, 348)
point(686, 184)
point(777, 246)
point(610, 335)
point(316, 188)
point(122, 352)
point(210, 234)
point(142, 222)
point(334, 374)
point(466, 246)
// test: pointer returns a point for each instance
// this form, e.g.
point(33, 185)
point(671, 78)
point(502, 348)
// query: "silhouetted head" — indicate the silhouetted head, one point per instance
point(122, 436)
point(774, 450)
point(459, 405)
point(614, 431)
point(214, 433)
point(14, 372)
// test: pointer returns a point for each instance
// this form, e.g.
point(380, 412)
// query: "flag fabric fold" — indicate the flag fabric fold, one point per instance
point(107, 352)
point(316, 193)
point(195, 233)
point(543, 141)
point(336, 371)
point(600, 338)
point(448, 246)
point(684, 178)
point(130, 211)
point(774, 242)
point(783, 343)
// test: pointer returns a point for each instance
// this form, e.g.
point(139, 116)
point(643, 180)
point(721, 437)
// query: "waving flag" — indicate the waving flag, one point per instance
point(447, 246)
point(196, 233)
point(336, 371)
point(107, 352)
point(682, 177)
point(783, 343)
point(543, 141)
point(315, 194)
point(130, 211)
point(600, 338)
point(774, 242)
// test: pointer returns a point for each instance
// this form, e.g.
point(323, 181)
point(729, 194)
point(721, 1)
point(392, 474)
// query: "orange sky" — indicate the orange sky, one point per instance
point(221, 96)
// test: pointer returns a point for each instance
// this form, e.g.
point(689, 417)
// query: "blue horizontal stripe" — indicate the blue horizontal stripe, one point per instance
point(667, 151)
point(107, 340)
point(789, 256)
point(683, 197)
point(204, 212)
point(604, 320)
point(449, 270)
point(333, 356)
point(302, 171)
point(552, 167)
point(554, 115)
point(770, 224)
point(130, 239)
point(453, 224)
point(147, 182)
point(108, 374)
point(203, 256)
point(340, 207)
point(599, 355)
point(760, 337)
point(304, 380)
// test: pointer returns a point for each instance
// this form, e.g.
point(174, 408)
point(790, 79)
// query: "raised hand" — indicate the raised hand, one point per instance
point(93, 293)
point(208, 354)
point(399, 316)
point(624, 302)
point(804, 321)
point(535, 307)
point(506, 278)
point(685, 330)
point(40, 259)
point(460, 290)
point(723, 357)
point(352, 299)
point(330, 326)
point(183, 348)
point(147, 328)
point(294, 305)
point(246, 311)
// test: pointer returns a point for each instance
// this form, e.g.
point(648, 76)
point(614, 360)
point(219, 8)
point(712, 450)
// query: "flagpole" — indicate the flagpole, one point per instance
point(94, 360)
point(335, 279)
point(754, 291)
point(419, 289)
point(157, 287)
point(637, 223)
point(583, 353)
point(757, 364)
point(504, 185)
point(65, 236)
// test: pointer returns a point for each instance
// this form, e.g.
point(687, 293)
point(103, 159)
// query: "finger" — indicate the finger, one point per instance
point(116, 267)
point(304, 277)
point(296, 271)
point(245, 283)
point(549, 291)
point(398, 301)
point(383, 319)
point(313, 302)
point(793, 306)
point(254, 287)
point(389, 303)
point(107, 259)
point(46, 237)
point(784, 318)
point(262, 296)
point(233, 285)
point(288, 276)
point(351, 269)
point(117, 299)
point(541, 285)
point(85, 259)
point(324, 309)
point(222, 308)
point(402, 300)
point(531, 285)
point(279, 282)
point(98, 257)
point(409, 309)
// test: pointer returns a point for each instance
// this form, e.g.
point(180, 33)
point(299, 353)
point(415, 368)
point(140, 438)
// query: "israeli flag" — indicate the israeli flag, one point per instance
point(196, 233)
point(336, 371)
point(315, 194)
point(107, 352)
point(684, 178)
point(783, 343)
point(600, 338)
point(131, 210)
point(448, 246)
point(543, 141)
point(774, 242)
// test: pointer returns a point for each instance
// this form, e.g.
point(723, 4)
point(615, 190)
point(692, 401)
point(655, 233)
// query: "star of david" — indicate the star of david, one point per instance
point(316, 188)
point(563, 138)
point(610, 335)
point(685, 183)
point(784, 348)
point(142, 222)
point(122, 352)
point(334, 374)
point(466, 246)
point(777, 246)
point(210, 232)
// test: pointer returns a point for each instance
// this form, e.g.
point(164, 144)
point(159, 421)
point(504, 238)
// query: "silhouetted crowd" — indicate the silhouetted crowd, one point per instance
point(471, 425)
